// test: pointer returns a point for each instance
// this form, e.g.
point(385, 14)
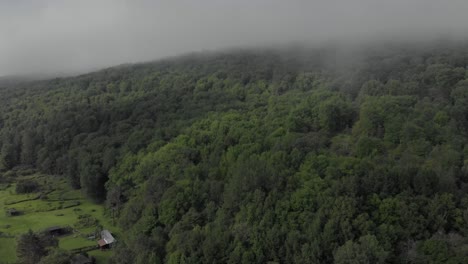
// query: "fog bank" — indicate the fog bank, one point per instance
point(64, 36)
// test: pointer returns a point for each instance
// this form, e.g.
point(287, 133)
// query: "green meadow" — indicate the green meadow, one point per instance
point(55, 205)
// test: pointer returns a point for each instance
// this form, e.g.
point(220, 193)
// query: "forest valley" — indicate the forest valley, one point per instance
point(300, 155)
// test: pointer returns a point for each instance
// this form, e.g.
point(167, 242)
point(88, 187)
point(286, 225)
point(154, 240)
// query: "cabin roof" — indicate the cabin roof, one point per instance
point(53, 228)
point(107, 237)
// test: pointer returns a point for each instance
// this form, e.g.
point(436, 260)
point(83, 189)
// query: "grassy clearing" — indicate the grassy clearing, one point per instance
point(73, 242)
point(61, 206)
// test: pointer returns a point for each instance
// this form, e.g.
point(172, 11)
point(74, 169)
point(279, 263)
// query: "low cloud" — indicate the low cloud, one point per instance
point(64, 36)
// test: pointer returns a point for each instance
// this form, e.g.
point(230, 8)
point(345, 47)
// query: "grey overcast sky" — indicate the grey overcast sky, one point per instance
point(71, 36)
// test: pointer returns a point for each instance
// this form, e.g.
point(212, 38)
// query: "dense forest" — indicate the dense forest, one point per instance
point(300, 155)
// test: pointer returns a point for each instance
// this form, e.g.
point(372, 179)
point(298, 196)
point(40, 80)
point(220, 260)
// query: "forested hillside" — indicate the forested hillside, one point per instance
point(280, 156)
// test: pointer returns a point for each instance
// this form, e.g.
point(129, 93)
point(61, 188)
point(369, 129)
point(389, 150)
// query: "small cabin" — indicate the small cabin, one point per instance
point(12, 212)
point(106, 240)
point(57, 231)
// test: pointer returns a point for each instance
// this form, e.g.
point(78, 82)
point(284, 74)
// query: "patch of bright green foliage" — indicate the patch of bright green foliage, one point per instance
point(65, 209)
